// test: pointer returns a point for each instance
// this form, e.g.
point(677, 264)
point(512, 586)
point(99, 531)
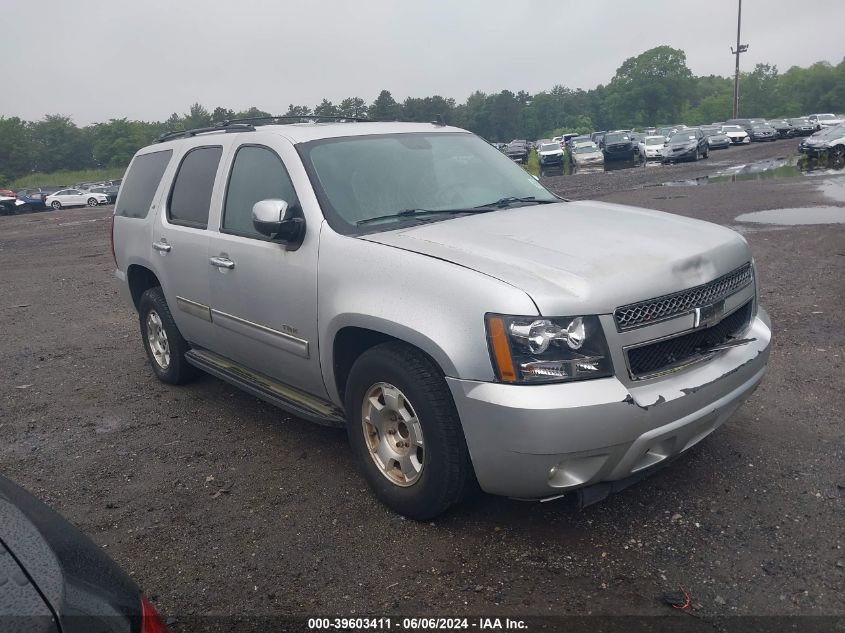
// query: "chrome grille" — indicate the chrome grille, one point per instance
point(669, 306)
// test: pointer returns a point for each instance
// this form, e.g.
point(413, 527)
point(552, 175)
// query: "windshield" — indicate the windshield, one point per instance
point(682, 137)
point(826, 117)
point(731, 128)
point(615, 138)
point(711, 131)
point(364, 177)
point(586, 149)
point(759, 126)
point(799, 121)
point(550, 147)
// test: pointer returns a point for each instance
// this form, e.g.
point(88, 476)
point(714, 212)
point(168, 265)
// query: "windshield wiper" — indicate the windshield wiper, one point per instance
point(503, 203)
point(412, 213)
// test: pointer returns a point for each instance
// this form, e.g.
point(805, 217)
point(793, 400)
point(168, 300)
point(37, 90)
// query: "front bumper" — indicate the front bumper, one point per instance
point(536, 441)
point(739, 140)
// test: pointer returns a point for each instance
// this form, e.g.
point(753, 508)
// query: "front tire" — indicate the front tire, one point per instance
point(163, 342)
point(92, 202)
point(405, 432)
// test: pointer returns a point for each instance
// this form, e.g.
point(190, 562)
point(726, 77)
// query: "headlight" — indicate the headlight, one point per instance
point(535, 350)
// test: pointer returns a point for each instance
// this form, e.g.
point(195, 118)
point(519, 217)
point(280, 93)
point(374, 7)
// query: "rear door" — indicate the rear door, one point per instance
point(263, 295)
point(180, 242)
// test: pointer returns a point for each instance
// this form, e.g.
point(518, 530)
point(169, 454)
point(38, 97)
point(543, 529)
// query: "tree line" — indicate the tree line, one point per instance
point(653, 88)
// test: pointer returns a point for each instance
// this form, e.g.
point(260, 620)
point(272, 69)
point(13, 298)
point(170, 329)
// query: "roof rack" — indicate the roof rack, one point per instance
point(248, 124)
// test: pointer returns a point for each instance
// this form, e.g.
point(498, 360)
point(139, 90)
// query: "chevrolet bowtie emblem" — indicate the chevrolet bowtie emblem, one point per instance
point(709, 315)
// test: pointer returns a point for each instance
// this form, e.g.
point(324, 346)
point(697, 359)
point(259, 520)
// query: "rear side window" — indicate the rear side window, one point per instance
point(257, 174)
point(191, 194)
point(142, 181)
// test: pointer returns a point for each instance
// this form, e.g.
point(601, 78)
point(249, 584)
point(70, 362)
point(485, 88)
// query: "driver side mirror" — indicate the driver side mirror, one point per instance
point(279, 221)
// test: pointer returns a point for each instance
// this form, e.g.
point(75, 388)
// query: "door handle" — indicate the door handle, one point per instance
point(221, 262)
point(162, 246)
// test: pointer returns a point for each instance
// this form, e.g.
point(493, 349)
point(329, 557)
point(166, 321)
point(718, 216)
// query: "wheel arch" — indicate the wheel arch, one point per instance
point(140, 279)
point(352, 339)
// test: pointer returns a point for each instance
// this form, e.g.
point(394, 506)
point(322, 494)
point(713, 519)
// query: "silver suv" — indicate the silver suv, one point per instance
point(465, 325)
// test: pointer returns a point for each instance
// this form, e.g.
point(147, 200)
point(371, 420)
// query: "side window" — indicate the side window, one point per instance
point(257, 174)
point(191, 193)
point(142, 181)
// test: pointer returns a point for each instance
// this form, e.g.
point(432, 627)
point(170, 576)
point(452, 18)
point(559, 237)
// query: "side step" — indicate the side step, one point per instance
point(284, 396)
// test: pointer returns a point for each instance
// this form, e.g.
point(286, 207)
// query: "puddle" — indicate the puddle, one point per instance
point(795, 217)
point(769, 169)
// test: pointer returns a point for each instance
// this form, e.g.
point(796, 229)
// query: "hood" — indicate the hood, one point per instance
point(580, 257)
point(551, 152)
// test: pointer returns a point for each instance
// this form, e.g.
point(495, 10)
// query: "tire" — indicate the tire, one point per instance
point(706, 152)
point(92, 202)
point(697, 155)
point(440, 474)
point(56, 205)
point(168, 357)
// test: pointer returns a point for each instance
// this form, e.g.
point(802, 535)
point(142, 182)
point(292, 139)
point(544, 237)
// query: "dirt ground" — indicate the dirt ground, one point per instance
point(216, 503)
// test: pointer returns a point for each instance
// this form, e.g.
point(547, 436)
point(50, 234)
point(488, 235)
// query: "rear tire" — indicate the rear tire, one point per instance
point(162, 340)
point(392, 384)
point(56, 205)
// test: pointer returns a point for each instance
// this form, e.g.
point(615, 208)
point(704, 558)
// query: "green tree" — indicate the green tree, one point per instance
point(17, 155)
point(353, 107)
point(326, 108)
point(385, 108)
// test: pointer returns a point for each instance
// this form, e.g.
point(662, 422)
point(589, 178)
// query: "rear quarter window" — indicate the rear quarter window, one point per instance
point(141, 184)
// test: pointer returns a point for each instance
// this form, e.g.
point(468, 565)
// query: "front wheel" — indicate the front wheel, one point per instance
point(163, 342)
point(92, 202)
point(56, 205)
point(405, 432)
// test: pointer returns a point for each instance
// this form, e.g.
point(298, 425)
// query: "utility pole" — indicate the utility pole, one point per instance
point(740, 48)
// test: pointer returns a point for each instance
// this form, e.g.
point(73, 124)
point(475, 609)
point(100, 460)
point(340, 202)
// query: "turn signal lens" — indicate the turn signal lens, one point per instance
point(498, 342)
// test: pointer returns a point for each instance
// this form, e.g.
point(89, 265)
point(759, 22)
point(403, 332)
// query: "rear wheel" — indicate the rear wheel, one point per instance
point(56, 205)
point(92, 202)
point(697, 154)
point(405, 432)
point(163, 342)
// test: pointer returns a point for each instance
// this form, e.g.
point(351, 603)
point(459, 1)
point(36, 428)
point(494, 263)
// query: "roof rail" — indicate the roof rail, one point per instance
point(220, 127)
point(305, 118)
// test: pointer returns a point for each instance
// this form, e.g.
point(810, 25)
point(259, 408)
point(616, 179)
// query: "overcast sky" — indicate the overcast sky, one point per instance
point(144, 59)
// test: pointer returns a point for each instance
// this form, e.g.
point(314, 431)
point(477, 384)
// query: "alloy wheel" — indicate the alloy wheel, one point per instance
point(157, 339)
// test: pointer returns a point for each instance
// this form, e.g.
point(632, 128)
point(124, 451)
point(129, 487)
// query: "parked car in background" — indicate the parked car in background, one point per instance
point(465, 325)
point(651, 147)
point(75, 198)
point(550, 154)
point(802, 126)
point(586, 154)
point(782, 127)
point(829, 140)
point(736, 134)
point(53, 578)
point(825, 120)
point(578, 140)
point(597, 137)
point(111, 191)
point(517, 150)
point(618, 146)
point(8, 193)
point(716, 139)
point(8, 205)
point(763, 132)
point(689, 144)
point(31, 199)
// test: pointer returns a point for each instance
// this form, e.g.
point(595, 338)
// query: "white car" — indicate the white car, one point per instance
point(75, 198)
point(825, 120)
point(736, 133)
point(651, 147)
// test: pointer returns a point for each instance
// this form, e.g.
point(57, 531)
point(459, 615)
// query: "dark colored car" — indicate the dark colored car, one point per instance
point(762, 132)
point(598, 137)
point(54, 579)
point(31, 200)
point(111, 191)
point(802, 126)
point(618, 146)
point(716, 139)
point(689, 144)
point(517, 150)
point(782, 127)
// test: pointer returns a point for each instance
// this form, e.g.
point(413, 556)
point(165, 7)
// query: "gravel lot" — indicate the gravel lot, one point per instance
point(217, 503)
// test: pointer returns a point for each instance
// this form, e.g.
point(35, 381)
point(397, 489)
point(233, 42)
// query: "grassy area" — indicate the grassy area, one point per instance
point(64, 178)
point(532, 165)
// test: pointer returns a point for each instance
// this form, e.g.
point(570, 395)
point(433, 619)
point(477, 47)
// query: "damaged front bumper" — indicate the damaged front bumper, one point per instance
point(540, 441)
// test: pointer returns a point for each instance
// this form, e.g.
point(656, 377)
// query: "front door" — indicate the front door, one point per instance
point(263, 296)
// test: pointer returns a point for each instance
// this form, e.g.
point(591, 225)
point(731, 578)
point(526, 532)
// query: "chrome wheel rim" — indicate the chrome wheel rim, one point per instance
point(393, 434)
point(56, 205)
point(157, 339)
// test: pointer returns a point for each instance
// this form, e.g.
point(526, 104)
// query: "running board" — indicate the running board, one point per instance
point(290, 399)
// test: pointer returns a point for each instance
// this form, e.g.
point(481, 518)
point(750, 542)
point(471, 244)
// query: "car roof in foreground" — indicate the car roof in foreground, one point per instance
point(306, 132)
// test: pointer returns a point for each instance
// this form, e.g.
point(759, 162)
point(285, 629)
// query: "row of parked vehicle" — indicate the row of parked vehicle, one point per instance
point(82, 194)
point(667, 144)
